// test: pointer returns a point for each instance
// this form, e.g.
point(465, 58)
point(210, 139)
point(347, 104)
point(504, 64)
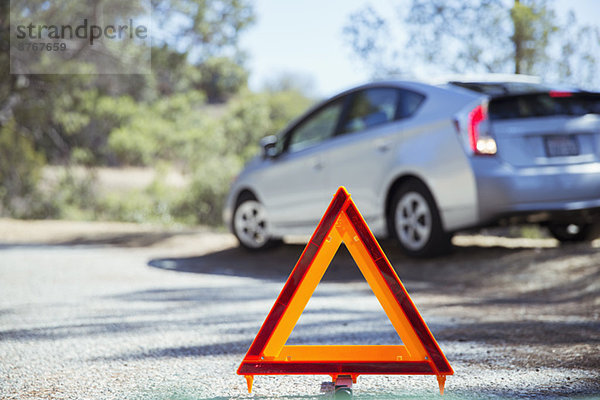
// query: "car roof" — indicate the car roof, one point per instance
point(487, 84)
point(402, 84)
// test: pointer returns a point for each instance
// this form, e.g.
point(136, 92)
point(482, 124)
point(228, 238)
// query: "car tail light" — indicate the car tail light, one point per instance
point(558, 93)
point(481, 142)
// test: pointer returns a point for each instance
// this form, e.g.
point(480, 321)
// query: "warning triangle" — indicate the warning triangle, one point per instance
point(419, 354)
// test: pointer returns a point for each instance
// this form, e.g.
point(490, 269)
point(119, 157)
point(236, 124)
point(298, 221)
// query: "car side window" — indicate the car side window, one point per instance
point(370, 108)
point(318, 127)
point(377, 106)
point(408, 103)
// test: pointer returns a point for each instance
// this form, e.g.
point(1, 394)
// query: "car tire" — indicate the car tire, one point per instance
point(250, 224)
point(415, 222)
point(573, 233)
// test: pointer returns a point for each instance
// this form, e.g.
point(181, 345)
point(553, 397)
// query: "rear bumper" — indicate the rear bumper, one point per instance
point(503, 190)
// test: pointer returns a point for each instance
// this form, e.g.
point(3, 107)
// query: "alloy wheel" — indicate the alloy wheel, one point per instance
point(250, 224)
point(413, 221)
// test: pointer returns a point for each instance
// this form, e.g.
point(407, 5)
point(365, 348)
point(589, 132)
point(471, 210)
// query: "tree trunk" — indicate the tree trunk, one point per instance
point(517, 42)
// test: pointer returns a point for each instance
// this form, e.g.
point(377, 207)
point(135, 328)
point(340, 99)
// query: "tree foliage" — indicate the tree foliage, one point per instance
point(20, 168)
point(474, 36)
point(206, 28)
point(533, 25)
point(61, 112)
point(193, 112)
point(367, 34)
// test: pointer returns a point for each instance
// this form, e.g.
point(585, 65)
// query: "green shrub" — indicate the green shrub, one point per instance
point(221, 77)
point(74, 194)
point(209, 144)
point(202, 203)
point(20, 168)
point(168, 129)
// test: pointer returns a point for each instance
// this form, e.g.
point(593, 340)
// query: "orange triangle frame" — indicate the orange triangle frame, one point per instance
point(419, 354)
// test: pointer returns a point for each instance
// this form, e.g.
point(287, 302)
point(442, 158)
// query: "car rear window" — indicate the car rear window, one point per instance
point(544, 105)
point(502, 88)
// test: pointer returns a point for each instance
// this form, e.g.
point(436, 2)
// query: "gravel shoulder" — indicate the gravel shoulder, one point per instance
point(112, 311)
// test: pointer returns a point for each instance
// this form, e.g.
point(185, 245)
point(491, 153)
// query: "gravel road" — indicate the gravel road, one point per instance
point(137, 314)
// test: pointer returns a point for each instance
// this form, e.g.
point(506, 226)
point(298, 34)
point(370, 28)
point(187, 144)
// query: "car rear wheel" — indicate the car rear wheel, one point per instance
point(250, 224)
point(570, 233)
point(415, 222)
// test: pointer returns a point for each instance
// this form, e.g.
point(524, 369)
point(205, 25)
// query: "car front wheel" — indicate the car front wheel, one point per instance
point(250, 224)
point(415, 222)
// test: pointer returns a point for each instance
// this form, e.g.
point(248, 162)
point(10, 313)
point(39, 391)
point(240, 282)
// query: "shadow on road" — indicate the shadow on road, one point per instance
point(467, 269)
point(276, 264)
point(465, 263)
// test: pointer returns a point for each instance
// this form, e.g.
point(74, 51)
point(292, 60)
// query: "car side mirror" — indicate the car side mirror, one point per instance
point(269, 146)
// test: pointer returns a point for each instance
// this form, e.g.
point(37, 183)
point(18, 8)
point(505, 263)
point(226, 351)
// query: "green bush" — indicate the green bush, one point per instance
point(210, 144)
point(20, 168)
point(169, 129)
point(134, 206)
point(74, 194)
point(221, 78)
point(202, 203)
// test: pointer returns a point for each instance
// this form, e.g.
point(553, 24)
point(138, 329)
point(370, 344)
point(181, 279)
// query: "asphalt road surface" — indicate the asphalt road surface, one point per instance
point(170, 316)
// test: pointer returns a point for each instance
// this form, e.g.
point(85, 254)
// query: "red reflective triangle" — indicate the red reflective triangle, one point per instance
point(268, 354)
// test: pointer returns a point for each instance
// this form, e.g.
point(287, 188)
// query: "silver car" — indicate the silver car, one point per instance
point(423, 161)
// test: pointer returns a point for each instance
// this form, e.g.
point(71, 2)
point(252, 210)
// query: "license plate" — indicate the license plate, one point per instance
point(561, 146)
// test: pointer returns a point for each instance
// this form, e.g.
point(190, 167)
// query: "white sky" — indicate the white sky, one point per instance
point(305, 37)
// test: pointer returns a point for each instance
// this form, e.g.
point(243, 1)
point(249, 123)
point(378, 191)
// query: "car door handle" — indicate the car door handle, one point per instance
point(315, 163)
point(382, 146)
